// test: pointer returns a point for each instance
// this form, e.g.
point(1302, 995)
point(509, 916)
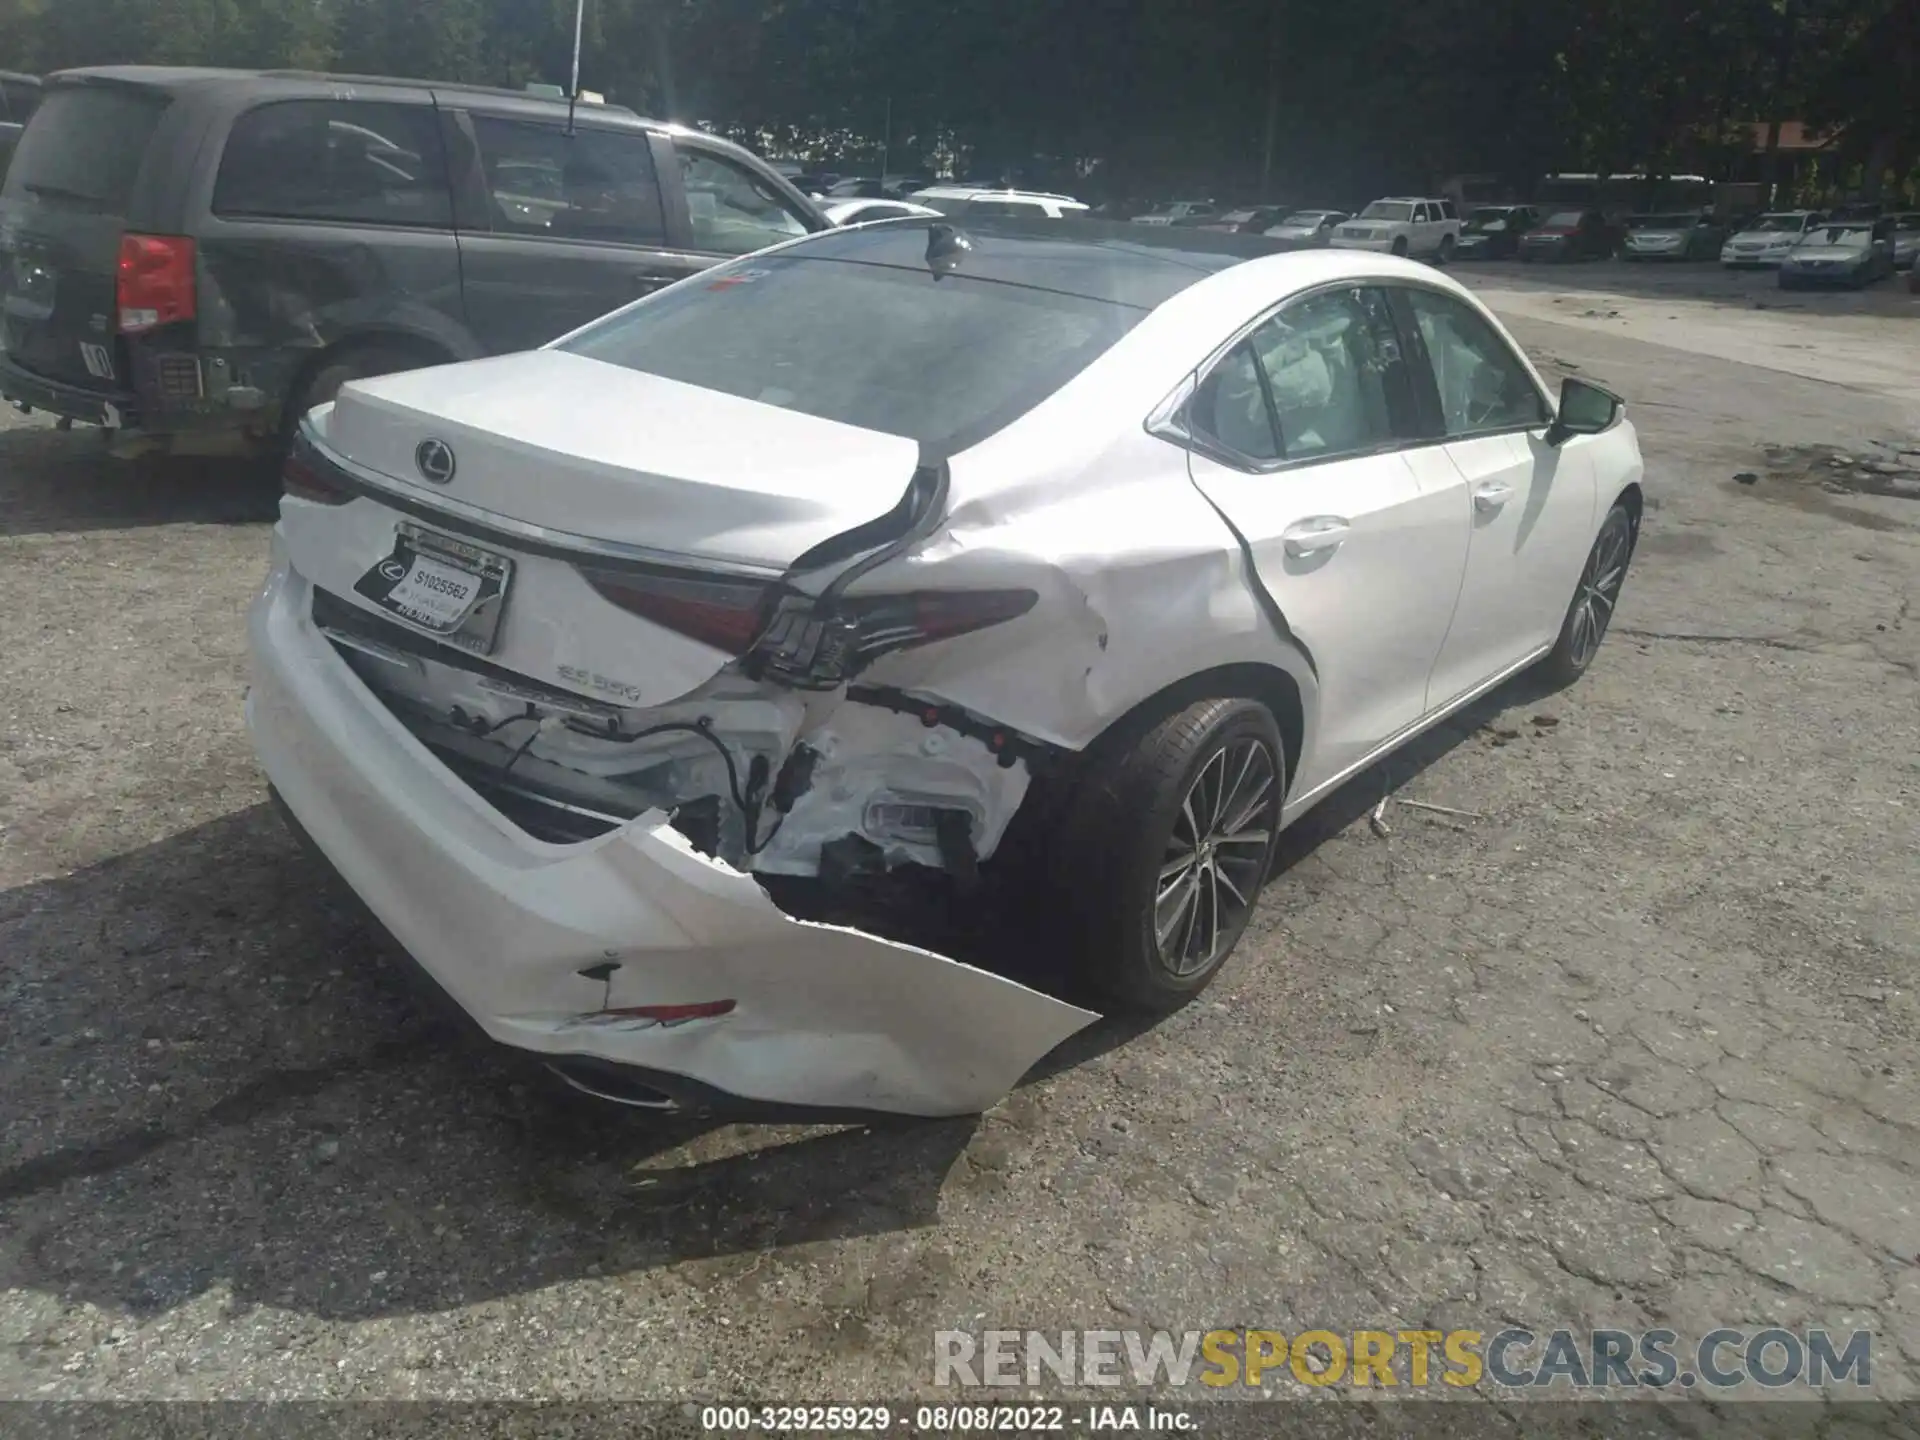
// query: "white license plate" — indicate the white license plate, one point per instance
point(441, 585)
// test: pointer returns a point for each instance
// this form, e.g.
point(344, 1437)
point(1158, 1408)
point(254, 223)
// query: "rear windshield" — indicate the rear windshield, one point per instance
point(84, 147)
point(945, 362)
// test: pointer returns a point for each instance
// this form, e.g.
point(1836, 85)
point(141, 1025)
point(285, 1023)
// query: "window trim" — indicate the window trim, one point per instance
point(1427, 386)
point(449, 187)
point(483, 197)
point(1168, 420)
point(683, 146)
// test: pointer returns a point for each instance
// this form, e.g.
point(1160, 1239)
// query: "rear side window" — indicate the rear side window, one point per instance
point(590, 185)
point(1007, 209)
point(358, 162)
point(85, 146)
point(946, 362)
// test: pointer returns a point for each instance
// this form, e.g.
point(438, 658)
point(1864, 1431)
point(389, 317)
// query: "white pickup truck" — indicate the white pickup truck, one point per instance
point(1403, 225)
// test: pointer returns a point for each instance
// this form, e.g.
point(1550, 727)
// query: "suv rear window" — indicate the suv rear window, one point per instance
point(85, 146)
point(946, 362)
point(359, 161)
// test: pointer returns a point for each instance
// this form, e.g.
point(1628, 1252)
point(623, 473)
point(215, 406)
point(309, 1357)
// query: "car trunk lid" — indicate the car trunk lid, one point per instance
point(573, 444)
point(62, 219)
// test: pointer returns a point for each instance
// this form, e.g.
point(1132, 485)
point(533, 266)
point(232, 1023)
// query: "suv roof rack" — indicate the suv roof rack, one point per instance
point(454, 86)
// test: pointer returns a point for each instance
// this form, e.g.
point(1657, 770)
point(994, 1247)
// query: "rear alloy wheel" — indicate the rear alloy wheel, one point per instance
point(1163, 858)
point(1594, 599)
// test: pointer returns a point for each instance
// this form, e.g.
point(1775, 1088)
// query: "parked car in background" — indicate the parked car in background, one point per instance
point(783, 625)
point(1568, 235)
point(1176, 211)
point(1853, 253)
point(858, 212)
point(1689, 235)
point(1307, 229)
point(196, 257)
point(1906, 238)
point(816, 182)
point(898, 187)
point(19, 97)
point(1766, 239)
point(1492, 232)
point(858, 187)
point(977, 202)
point(1245, 219)
point(1403, 225)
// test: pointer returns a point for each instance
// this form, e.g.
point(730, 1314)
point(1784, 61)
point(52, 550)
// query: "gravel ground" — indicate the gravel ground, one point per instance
point(1632, 1045)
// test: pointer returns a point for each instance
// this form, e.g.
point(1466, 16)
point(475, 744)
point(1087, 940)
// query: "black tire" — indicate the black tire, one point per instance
point(1595, 596)
point(336, 368)
point(1445, 257)
point(1400, 246)
point(1112, 849)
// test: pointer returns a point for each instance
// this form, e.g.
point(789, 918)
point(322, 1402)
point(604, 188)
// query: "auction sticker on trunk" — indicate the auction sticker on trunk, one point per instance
point(441, 585)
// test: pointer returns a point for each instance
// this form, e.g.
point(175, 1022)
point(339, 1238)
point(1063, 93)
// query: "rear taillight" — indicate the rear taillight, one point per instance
point(305, 476)
point(813, 651)
point(155, 285)
point(800, 640)
point(726, 614)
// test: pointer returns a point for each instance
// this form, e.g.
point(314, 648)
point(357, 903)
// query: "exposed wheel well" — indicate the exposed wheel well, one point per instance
point(1268, 684)
point(1635, 500)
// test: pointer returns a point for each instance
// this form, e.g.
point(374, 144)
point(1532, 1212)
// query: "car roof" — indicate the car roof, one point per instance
point(998, 192)
point(177, 77)
point(1096, 259)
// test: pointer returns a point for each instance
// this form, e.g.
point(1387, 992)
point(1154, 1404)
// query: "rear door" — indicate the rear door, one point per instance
point(62, 214)
point(558, 229)
point(1299, 435)
point(327, 216)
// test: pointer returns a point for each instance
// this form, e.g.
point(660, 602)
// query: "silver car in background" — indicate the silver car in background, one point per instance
point(1844, 252)
point(1308, 229)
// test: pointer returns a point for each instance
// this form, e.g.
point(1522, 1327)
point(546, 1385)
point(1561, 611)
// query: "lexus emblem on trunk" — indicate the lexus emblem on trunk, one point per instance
point(435, 460)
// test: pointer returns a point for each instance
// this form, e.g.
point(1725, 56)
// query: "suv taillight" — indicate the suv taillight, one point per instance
point(156, 284)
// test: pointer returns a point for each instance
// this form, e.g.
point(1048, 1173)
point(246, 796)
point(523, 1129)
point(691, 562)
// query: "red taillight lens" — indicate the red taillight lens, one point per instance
point(306, 477)
point(726, 614)
point(156, 285)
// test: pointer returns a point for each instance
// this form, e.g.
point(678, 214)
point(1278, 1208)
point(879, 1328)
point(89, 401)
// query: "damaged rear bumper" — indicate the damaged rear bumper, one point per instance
point(542, 944)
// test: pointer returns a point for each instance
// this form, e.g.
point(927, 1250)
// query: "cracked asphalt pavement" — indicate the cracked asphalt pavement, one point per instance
point(1631, 1042)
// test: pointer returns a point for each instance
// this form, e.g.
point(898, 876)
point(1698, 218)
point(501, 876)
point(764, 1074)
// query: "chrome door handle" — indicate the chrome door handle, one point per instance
point(1310, 537)
point(1491, 496)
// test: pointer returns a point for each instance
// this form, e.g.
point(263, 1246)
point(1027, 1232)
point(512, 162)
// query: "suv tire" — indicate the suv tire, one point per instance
point(344, 363)
point(1163, 850)
point(1400, 245)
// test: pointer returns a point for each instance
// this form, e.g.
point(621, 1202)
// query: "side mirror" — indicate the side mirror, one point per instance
point(1585, 409)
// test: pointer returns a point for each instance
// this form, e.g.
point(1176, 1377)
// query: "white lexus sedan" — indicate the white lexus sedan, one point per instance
point(876, 560)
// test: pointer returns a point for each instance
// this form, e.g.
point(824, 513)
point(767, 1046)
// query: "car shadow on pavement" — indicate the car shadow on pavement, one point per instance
point(55, 482)
point(218, 1080)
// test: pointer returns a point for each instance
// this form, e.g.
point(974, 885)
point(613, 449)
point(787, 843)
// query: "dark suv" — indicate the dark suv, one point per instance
point(196, 257)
